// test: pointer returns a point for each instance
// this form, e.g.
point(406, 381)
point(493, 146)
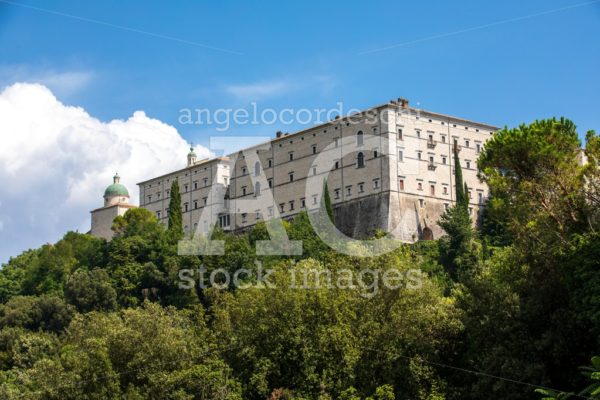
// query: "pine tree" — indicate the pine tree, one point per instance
point(175, 217)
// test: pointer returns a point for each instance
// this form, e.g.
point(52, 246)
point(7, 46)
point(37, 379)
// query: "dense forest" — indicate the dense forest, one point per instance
point(510, 310)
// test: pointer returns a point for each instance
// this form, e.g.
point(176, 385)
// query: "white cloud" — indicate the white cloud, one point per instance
point(259, 90)
point(56, 160)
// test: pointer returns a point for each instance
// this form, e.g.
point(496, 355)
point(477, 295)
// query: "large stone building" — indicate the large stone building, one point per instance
point(390, 167)
point(116, 202)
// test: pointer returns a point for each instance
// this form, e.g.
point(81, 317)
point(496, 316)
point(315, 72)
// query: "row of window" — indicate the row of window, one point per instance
point(432, 190)
point(431, 142)
point(431, 159)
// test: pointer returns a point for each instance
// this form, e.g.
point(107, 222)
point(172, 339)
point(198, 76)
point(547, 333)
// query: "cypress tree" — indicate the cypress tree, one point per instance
point(461, 198)
point(327, 201)
point(175, 217)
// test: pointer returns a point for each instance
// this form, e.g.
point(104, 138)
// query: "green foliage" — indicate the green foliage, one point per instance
point(175, 217)
point(326, 202)
point(91, 291)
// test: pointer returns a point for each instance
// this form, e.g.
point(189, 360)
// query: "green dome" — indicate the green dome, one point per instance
point(191, 153)
point(116, 189)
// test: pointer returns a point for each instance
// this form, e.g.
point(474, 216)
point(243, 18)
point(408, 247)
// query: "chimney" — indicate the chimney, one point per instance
point(403, 102)
point(278, 134)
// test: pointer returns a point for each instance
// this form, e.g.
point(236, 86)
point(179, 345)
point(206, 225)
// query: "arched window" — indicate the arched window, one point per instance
point(360, 160)
point(257, 168)
point(359, 138)
point(257, 189)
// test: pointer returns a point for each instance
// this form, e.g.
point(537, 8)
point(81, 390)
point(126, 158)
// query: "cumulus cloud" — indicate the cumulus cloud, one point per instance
point(62, 83)
point(56, 160)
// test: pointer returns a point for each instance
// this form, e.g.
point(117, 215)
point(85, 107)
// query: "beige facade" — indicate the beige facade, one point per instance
point(202, 185)
point(390, 167)
point(116, 202)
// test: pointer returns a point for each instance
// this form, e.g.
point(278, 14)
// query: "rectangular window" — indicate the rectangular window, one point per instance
point(195, 185)
point(337, 164)
point(421, 203)
point(314, 198)
point(348, 190)
point(401, 184)
point(243, 190)
point(432, 190)
point(270, 183)
point(270, 162)
point(314, 149)
point(478, 147)
point(195, 204)
point(419, 186)
point(443, 138)
point(375, 183)
point(336, 193)
point(400, 134)
point(480, 197)
point(418, 133)
point(185, 207)
point(466, 143)
point(468, 164)
point(302, 202)
point(291, 155)
point(158, 214)
point(419, 155)
point(445, 190)
point(205, 182)
point(291, 177)
point(185, 187)
point(204, 200)
point(244, 216)
point(400, 155)
point(444, 160)
point(281, 207)
point(243, 171)
point(361, 187)
point(292, 205)
point(314, 170)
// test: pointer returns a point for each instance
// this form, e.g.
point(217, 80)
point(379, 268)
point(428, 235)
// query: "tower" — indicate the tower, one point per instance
point(116, 202)
point(191, 157)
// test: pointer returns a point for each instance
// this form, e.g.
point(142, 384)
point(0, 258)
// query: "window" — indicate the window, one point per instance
point(419, 155)
point(281, 207)
point(359, 138)
point(314, 170)
point(243, 190)
point(314, 199)
point(443, 138)
point(204, 200)
point(376, 183)
point(149, 198)
point(224, 220)
point(401, 184)
point(470, 210)
point(431, 160)
point(244, 216)
point(478, 147)
point(418, 132)
point(185, 207)
point(400, 155)
point(243, 170)
point(336, 193)
point(444, 159)
point(467, 143)
point(421, 203)
point(432, 190)
point(225, 180)
point(445, 190)
point(291, 155)
point(470, 195)
point(195, 185)
point(360, 160)
point(185, 187)
point(257, 189)
point(257, 212)
point(348, 190)
point(419, 186)
point(480, 197)
point(291, 176)
point(292, 205)
point(158, 214)
point(337, 164)
point(375, 154)
point(270, 162)
point(168, 193)
point(195, 204)
point(257, 168)
point(361, 187)
point(302, 202)
point(400, 134)
point(270, 183)
point(314, 149)
point(270, 211)
point(205, 182)
point(468, 164)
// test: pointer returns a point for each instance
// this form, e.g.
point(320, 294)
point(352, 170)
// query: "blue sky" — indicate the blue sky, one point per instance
point(502, 63)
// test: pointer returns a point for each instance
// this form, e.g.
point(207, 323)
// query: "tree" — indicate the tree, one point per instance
point(326, 202)
point(461, 186)
point(175, 215)
point(91, 291)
